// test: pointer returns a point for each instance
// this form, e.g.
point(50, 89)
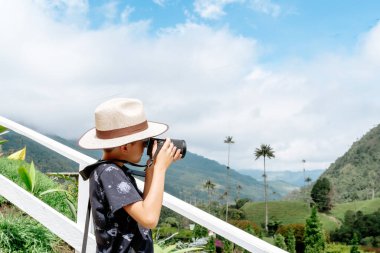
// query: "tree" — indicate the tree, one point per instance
point(290, 241)
point(279, 241)
point(322, 195)
point(228, 141)
point(314, 235)
point(355, 244)
point(304, 177)
point(209, 185)
point(265, 151)
point(238, 189)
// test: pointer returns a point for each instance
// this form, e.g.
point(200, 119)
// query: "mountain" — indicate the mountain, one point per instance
point(185, 178)
point(293, 178)
point(356, 174)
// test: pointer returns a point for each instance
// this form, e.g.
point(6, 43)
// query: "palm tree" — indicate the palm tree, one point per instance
point(229, 141)
point(238, 189)
point(209, 185)
point(265, 151)
point(304, 179)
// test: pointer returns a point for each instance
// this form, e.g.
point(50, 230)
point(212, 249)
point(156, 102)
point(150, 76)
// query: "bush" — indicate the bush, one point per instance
point(246, 225)
point(299, 232)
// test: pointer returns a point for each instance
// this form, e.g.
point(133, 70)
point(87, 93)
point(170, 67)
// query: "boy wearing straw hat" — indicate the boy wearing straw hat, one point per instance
point(122, 214)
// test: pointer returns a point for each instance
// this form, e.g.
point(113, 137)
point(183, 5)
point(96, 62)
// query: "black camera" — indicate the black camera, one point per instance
point(180, 144)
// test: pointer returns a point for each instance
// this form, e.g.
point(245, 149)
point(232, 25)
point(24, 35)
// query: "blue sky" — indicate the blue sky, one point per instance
point(283, 28)
point(301, 76)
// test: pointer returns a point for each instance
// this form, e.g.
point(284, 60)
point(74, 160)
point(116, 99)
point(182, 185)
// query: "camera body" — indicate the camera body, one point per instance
point(180, 144)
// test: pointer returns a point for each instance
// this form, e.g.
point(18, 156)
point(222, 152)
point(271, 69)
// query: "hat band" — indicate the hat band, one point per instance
point(115, 133)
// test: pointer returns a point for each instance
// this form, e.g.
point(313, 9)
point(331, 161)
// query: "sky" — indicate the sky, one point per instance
point(300, 76)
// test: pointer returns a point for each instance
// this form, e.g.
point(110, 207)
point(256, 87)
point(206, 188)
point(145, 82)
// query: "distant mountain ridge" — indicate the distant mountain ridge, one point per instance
point(294, 178)
point(185, 178)
point(356, 174)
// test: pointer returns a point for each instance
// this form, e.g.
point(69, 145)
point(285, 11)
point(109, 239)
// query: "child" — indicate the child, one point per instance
point(122, 214)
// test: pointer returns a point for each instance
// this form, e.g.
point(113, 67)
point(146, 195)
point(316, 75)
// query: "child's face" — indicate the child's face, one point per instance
point(136, 150)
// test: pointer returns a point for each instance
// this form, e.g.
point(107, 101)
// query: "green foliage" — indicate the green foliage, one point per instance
point(57, 200)
point(200, 231)
point(338, 248)
point(19, 233)
point(321, 194)
point(273, 226)
point(314, 235)
point(298, 231)
point(2, 130)
point(279, 241)
point(355, 243)
point(290, 241)
point(355, 175)
point(28, 177)
point(241, 202)
point(210, 246)
point(363, 225)
point(247, 225)
point(172, 249)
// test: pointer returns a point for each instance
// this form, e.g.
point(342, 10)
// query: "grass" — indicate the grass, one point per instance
point(288, 212)
point(296, 212)
point(57, 200)
point(366, 206)
point(21, 233)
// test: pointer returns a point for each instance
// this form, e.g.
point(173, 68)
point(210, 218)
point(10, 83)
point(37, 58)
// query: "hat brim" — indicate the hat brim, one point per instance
point(90, 141)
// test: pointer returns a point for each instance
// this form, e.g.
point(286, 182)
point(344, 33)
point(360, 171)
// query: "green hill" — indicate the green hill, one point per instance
point(293, 212)
point(185, 178)
point(356, 174)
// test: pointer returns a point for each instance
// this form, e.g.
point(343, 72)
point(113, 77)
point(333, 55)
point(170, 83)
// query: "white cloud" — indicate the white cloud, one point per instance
point(214, 9)
point(211, 9)
point(126, 13)
point(266, 7)
point(205, 83)
point(159, 2)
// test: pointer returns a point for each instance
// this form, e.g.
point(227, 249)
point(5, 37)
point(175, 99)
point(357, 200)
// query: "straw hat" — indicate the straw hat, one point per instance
point(120, 121)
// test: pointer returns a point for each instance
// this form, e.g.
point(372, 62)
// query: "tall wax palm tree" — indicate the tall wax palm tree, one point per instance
point(228, 141)
point(304, 179)
point(209, 185)
point(265, 151)
point(238, 189)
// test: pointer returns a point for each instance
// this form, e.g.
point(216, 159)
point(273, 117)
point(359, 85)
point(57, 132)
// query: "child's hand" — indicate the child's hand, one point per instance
point(166, 155)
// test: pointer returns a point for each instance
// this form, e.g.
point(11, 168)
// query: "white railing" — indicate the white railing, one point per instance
point(72, 232)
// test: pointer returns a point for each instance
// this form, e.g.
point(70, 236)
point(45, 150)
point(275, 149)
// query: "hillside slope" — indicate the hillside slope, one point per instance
point(356, 174)
point(185, 178)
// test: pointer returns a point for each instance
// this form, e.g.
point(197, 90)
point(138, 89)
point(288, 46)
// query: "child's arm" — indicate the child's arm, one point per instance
point(147, 211)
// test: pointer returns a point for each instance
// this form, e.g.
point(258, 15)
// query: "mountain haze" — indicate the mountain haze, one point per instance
point(294, 179)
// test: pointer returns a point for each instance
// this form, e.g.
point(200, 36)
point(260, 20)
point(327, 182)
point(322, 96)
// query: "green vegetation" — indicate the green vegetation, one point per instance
point(366, 206)
point(314, 240)
point(57, 200)
point(355, 175)
point(322, 195)
point(19, 233)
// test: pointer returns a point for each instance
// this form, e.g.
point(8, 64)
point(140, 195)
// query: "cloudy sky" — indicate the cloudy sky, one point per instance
point(302, 76)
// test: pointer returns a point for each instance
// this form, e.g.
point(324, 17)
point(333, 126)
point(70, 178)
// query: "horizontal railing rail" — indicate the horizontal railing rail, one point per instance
point(224, 229)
